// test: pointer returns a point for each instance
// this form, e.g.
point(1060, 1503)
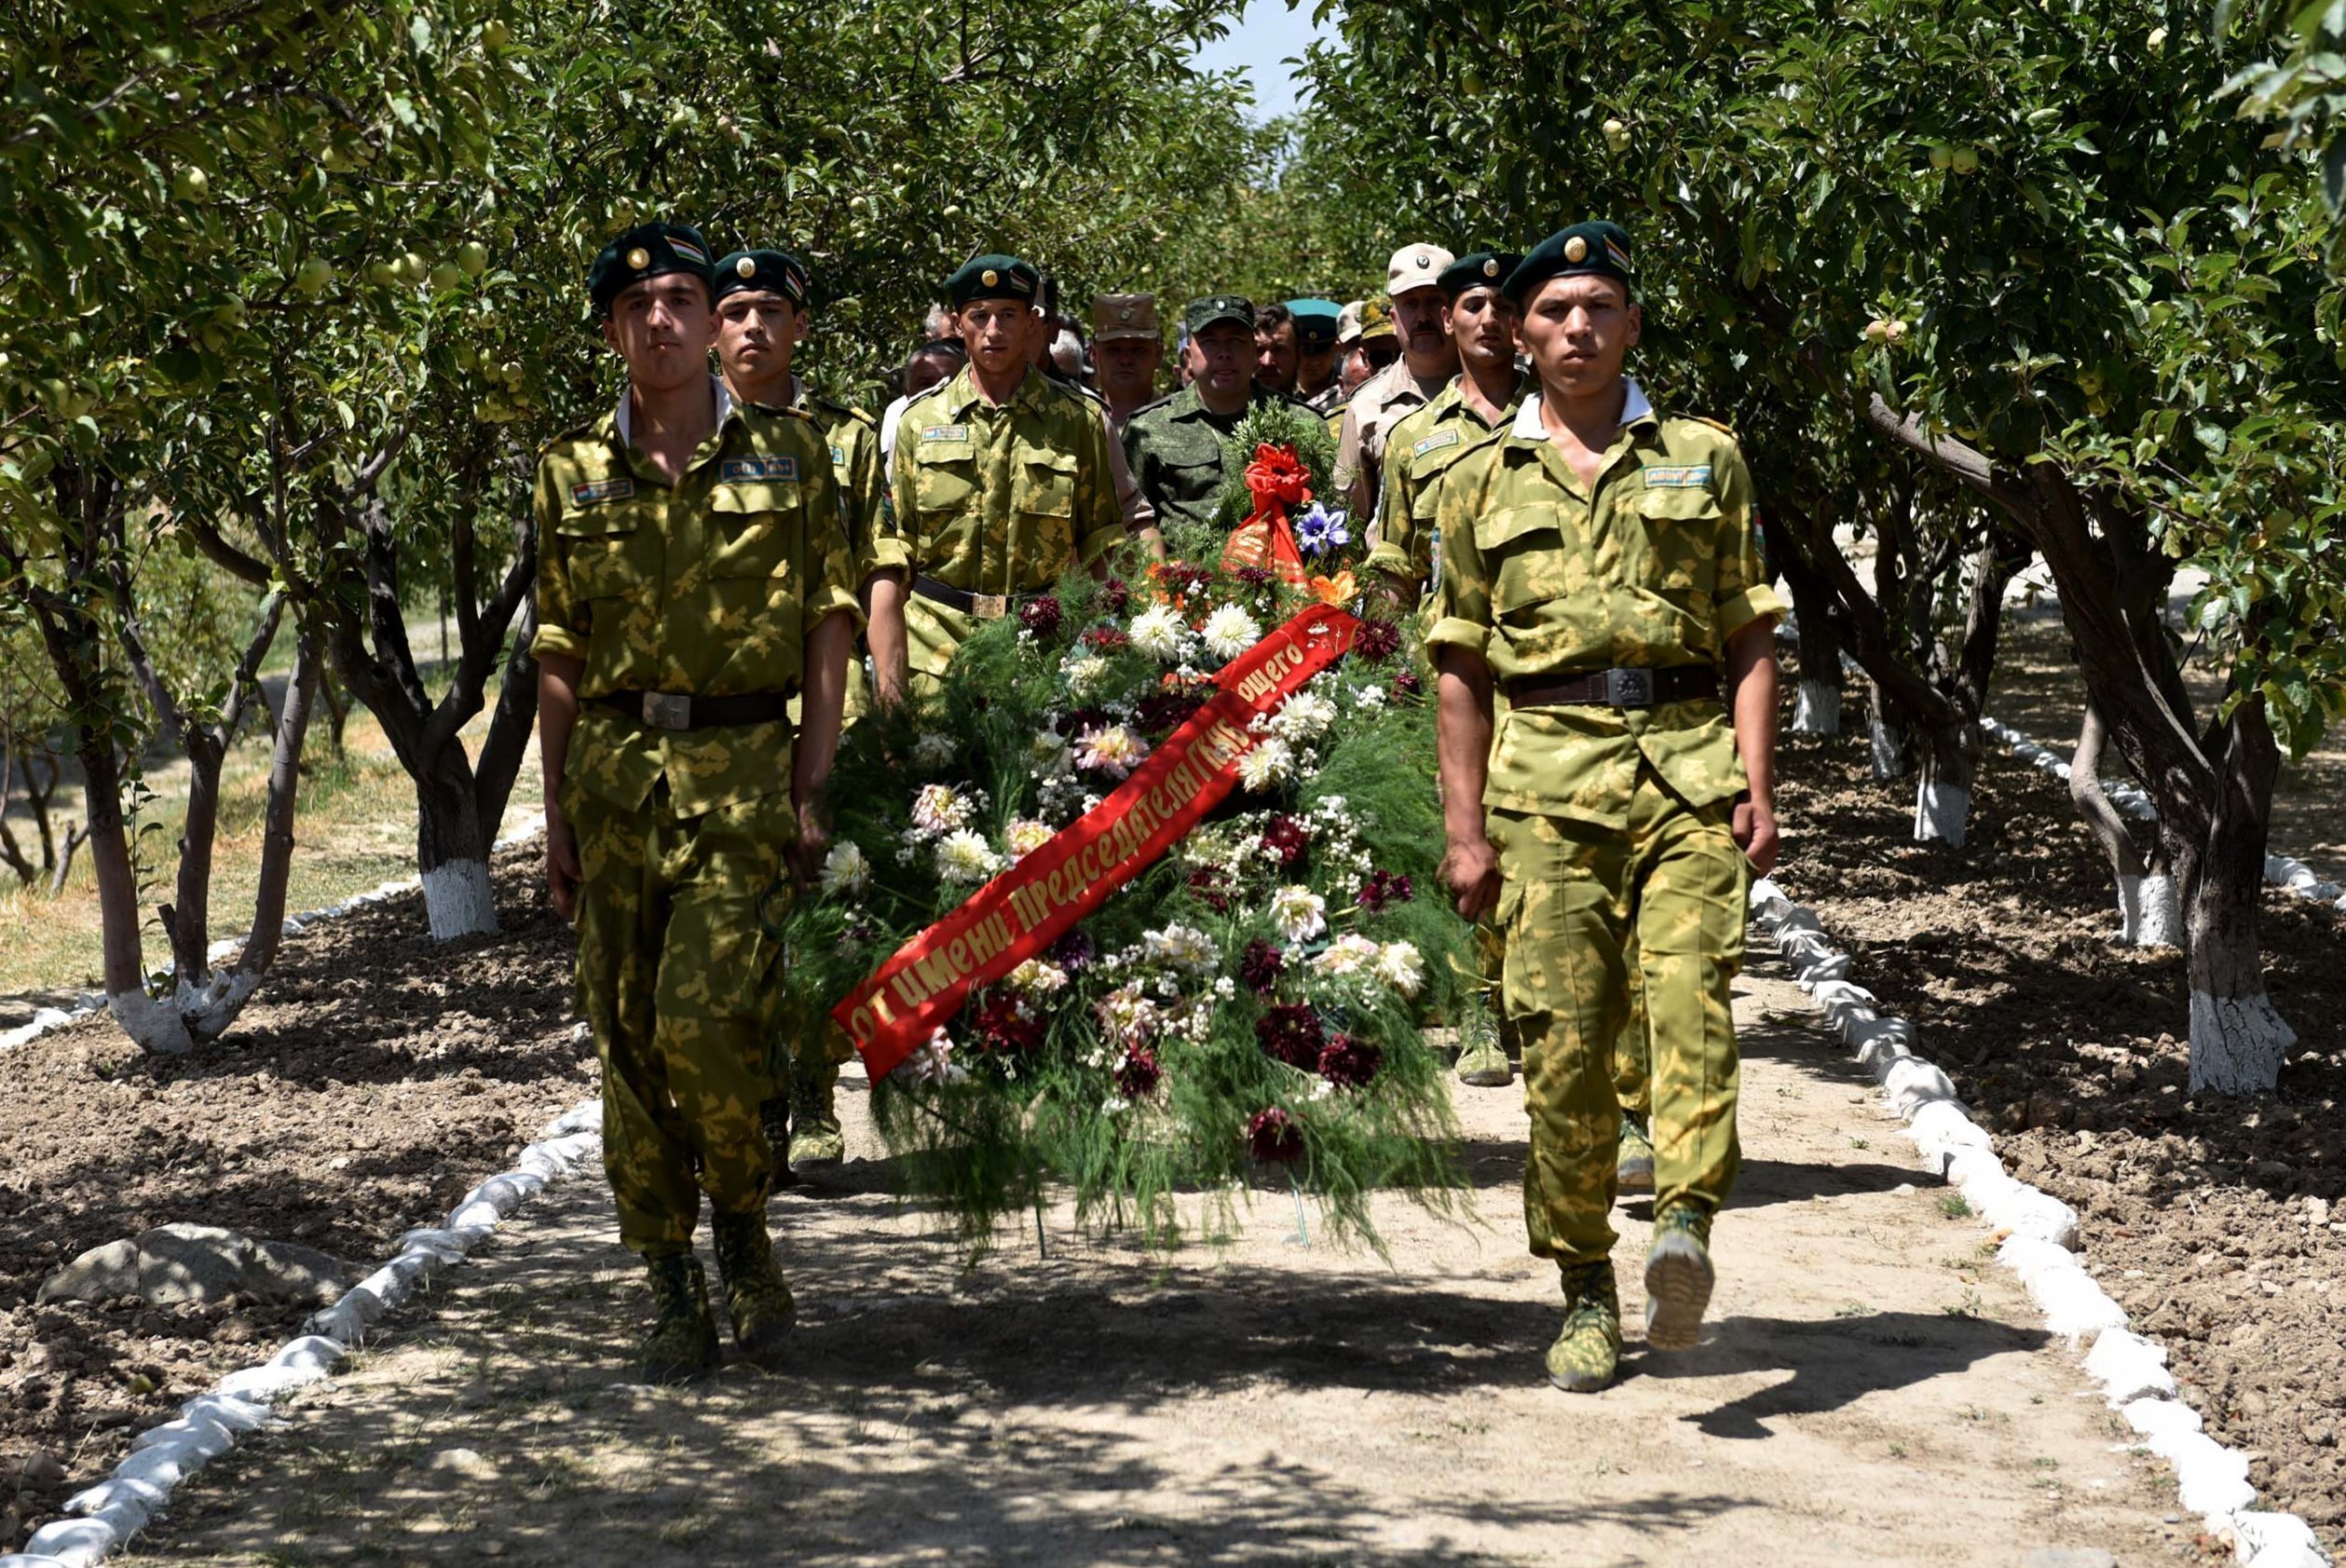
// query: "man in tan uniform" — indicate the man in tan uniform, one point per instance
point(1127, 350)
point(1429, 361)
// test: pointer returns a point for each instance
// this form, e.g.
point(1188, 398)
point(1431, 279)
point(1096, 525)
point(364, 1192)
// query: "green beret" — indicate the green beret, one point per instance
point(1314, 322)
point(648, 251)
point(992, 276)
point(1203, 313)
point(1477, 269)
point(1597, 249)
point(775, 272)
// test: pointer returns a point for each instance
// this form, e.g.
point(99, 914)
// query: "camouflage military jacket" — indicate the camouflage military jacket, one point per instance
point(854, 437)
point(1419, 450)
point(707, 589)
point(1174, 447)
point(1656, 568)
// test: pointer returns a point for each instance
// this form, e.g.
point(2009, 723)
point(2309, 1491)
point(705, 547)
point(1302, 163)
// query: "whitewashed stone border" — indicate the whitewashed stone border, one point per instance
point(50, 1018)
point(106, 1515)
point(2043, 1233)
point(2281, 871)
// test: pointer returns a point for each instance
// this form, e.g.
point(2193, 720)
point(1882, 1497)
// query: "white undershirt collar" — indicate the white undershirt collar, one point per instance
point(1528, 426)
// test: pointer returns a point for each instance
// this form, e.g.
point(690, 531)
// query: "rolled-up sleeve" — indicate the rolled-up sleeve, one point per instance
point(563, 622)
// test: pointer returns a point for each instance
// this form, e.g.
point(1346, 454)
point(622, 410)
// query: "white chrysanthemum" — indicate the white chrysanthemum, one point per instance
point(1298, 913)
point(1084, 673)
point(1184, 946)
point(1024, 836)
point(1269, 764)
point(1348, 954)
point(1049, 754)
point(1303, 717)
point(1039, 976)
point(939, 808)
point(1115, 750)
point(846, 870)
point(932, 750)
point(1401, 966)
point(931, 1061)
point(1229, 632)
point(1368, 699)
point(964, 856)
point(1160, 633)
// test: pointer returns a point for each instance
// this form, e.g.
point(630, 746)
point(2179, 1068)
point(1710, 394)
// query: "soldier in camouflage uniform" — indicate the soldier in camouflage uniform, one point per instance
point(694, 576)
point(1426, 362)
point(1175, 444)
point(1001, 482)
point(761, 314)
point(1599, 565)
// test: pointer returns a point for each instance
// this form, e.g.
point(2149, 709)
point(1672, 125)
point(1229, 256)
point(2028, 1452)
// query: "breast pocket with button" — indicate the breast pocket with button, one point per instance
point(1531, 554)
point(1681, 527)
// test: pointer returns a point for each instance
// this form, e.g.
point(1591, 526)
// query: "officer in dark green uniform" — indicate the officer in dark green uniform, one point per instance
point(1174, 445)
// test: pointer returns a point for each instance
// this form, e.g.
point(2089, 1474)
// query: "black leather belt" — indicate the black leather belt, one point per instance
point(1616, 689)
point(671, 710)
point(986, 606)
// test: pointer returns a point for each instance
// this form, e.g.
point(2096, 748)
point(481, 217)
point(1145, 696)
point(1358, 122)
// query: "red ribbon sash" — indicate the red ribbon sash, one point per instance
point(1031, 905)
point(1277, 481)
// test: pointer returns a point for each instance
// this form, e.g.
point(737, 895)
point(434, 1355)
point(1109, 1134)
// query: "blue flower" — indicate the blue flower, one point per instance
point(1320, 530)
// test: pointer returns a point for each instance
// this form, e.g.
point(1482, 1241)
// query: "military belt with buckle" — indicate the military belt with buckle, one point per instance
point(677, 710)
point(985, 606)
point(1616, 689)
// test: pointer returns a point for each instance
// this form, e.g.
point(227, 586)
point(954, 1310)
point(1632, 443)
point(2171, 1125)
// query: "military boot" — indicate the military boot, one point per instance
point(1481, 1059)
point(815, 1138)
point(1678, 1277)
point(1633, 1167)
point(1587, 1351)
point(774, 1115)
point(756, 1296)
point(683, 1340)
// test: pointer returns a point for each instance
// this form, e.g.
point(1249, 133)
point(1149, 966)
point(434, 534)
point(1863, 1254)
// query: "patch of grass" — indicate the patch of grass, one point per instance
point(1954, 1206)
point(1969, 1306)
point(1860, 1143)
point(1853, 1309)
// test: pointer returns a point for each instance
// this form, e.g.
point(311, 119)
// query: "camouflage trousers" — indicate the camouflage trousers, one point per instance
point(680, 983)
point(1581, 904)
point(1630, 1077)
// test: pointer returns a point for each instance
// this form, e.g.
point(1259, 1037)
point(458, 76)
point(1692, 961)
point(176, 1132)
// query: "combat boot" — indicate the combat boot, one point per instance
point(1481, 1059)
point(683, 1340)
point(1587, 1350)
point(756, 1296)
point(815, 1138)
point(1633, 1167)
point(1678, 1277)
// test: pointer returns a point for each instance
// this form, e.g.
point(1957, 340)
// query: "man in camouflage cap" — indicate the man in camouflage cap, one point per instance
point(1175, 444)
point(1599, 567)
point(1128, 348)
point(1002, 481)
point(694, 575)
point(1428, 361)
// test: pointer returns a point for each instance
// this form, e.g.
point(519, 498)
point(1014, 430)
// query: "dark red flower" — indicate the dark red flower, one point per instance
point(1376, 641)
point(1383, 888)
point(1273, 1139)
point(1290, 1032)
point(1074, 951)
point(1076, 720)
point(1180, 579)
point(1041, 616)
point(1107, 639)
point(1161, 712)
point(1138, 1074)
point(1211, 887)
point(1349, 1063)
point(1000, 1030)
point(1256, 577)
point(1287, 841)
point(1260, 966)
point(1406, 685)
point(1118, 593)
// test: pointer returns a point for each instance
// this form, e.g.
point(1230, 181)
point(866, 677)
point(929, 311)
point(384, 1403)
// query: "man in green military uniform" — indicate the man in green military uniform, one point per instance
point(1002, 481)
point(762, 316)
point(1175, 444)
point(1316, 322)
point(694, 576)
point(1599, 567)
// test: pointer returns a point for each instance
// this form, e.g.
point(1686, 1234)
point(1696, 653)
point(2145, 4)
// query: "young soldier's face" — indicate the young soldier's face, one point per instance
point(995, 332)
point(755, 332)
point(663, 328)
point(1482, 321)
point(1578, 331)
point(1127, 366)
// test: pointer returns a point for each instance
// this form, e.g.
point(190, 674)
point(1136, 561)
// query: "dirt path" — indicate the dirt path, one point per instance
point(1871, 1392)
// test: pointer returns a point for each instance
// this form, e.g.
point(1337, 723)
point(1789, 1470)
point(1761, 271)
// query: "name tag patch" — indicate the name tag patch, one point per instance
point(959, 434)
point(595, 492)
point(838, 454)
point(1694, 477)
point(1435, 443)
point(735, 470)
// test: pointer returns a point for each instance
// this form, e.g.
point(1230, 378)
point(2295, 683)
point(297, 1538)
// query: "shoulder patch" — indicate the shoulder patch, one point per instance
point(594, 492)
point(1683, 476)
point(1434, 443)
point(783, 469)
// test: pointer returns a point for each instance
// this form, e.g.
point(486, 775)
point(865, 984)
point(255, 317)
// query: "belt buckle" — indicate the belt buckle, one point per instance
point(990, 606)
point(1630, 688)
point(667, 710)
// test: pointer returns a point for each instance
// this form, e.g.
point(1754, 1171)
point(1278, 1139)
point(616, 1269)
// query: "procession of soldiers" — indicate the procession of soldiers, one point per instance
point(732, 568)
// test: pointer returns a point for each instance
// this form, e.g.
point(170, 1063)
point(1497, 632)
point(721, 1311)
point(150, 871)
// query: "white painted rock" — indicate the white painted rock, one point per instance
point(2128, 1368)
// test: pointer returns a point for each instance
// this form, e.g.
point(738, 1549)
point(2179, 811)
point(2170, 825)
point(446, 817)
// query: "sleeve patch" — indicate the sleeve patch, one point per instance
point(735, 470)
point(595, 492)
point(1695, 476)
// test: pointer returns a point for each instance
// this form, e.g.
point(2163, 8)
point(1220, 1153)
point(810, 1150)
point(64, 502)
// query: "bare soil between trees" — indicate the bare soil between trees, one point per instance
point(2219, 1224)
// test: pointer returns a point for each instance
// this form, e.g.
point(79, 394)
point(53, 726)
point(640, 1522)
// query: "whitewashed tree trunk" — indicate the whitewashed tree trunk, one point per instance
point(2239, 1043)
point(1942, 797)
point(1817, 708)
point(458, 899)
point(2149, 915)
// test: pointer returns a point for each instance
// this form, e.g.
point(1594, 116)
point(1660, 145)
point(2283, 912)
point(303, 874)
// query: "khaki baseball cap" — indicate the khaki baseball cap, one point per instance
point(1416, 266)
point(1115, 316)
point(1348, 324)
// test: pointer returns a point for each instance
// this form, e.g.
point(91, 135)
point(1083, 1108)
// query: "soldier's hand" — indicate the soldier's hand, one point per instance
point(1756, 834)
point(1470, 869)
point(561, 864)
point(806, 855)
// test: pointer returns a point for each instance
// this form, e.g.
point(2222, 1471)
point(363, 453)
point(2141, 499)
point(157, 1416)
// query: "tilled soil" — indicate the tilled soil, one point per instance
point(2208, 1217)
point(374, 1080)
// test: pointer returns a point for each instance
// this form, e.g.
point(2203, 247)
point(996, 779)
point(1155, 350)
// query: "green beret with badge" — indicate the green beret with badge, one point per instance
point(1199, 314)
point(993, 277)
point(1590, 250)
point(648, 251)
point(1315, 322)
point(1476, 269)
point(771, 272)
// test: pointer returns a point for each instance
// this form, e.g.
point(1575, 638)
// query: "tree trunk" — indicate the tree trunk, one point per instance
point(1817, 708)
point(452, 848)
point(2148, 913)
point(2239, 1040)
point(9, 851)
point(1893, 753)
point(510, 727)
point(155, 1027)
point(187, 921)
point(337, 705)
point(1943, 795)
